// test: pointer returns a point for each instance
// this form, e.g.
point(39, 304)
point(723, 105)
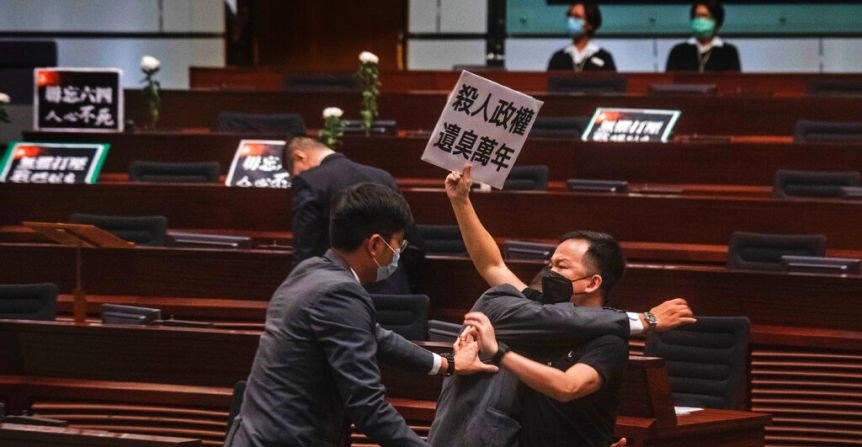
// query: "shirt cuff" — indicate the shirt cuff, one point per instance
point(436, 367)
point(635, 325)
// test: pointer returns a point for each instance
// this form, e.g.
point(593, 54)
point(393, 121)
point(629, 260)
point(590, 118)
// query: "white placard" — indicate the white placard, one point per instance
point(484, 123)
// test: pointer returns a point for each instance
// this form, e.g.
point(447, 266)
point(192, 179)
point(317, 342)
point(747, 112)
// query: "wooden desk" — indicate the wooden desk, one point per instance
point(41, 353)
point(763, 84)
point(689, 219)
point(417, 111)
point(713, 163)
point(15, 435)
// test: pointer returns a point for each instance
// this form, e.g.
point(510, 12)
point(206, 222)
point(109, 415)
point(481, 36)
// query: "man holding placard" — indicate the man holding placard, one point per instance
point(574, 396)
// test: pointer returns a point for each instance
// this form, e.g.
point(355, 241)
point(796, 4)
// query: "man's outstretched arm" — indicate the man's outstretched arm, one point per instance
point(481, 246)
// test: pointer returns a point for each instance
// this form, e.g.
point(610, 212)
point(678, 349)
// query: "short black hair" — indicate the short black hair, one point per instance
point(295, 142)
point(716, 9)
point(604, 255)
point(366, 209)
point(592, 12)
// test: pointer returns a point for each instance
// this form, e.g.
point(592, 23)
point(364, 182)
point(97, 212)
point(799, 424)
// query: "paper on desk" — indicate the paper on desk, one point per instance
point(682, 411)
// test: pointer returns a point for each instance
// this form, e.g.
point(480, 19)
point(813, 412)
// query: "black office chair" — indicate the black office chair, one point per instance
point(706, 361)
point(756, 251)
point(442, 240)
point(320, 82)
point(807, 131)
point(527, 178)
point(790, 183)
point(406, 315)
point(527, 251)
point(613, 85)
point(281, 123)
point(145, 230)
point(28, 301)
point(19, 58)
point(682, 90)
point(560, 126)
point(154, 171)
point(834, 87)
point(233, 411)
point(439, 330)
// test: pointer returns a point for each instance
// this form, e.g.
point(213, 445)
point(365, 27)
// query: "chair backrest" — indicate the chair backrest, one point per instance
point(146, 230)
point(28, 301)
point(834, 87)
point(587, 85)
point(756, 251)
point(439, 330)
point(18, 59)
point(378, 127)
point(530, 251)
point(812, 183)
point(284, 123)
point(707, 361)
point(233, 411)
point(560, 126)
point(807, 131)
point(320, 82)
point(682, 90)
point(527, 178)
point(155, 171)
point(406, 315)
point(442, 240)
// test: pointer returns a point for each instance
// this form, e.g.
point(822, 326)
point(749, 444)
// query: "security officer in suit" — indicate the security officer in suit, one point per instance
point(315, 370)
point(318, 175)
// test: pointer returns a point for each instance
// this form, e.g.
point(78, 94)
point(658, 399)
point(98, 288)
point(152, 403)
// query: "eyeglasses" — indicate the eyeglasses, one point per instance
point(401, 249)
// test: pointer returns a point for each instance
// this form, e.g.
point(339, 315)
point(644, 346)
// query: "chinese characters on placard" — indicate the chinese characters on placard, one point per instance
point(49, 169)
point(267, 164)
point(89, 101)
point(628, 130)
point(482, 149)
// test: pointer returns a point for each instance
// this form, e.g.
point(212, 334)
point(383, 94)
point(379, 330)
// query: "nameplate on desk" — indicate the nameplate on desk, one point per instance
point(258, 164)
point(821, 264)
point(57, 163)
point(78, 99)
point(584, 185)
point(631, 125)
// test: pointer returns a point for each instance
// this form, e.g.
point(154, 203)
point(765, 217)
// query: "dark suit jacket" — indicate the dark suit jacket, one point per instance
point(561, 60)
point(483, 410)
point(316, 365)
point(313, 194)
point(684, 57)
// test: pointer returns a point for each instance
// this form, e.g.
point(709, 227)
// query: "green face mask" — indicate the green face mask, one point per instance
point(703, 27)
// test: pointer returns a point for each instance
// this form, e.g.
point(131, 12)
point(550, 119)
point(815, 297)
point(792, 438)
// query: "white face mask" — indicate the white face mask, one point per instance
point(385, 271)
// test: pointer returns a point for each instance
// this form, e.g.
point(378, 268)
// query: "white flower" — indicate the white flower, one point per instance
point(332, 112)
point(367, 57)
point(149, 63)
point(4, 98)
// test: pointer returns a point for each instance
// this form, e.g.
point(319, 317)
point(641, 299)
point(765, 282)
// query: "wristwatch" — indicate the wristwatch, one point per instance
point(651, 320)
point(450, 362)
point(502, 350)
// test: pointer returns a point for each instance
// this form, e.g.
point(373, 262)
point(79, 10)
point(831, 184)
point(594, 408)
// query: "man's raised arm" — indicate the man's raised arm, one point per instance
point(480, 244)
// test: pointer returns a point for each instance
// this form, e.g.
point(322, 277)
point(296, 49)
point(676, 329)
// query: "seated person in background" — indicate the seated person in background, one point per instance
point(705, 51)
point(563, 324)
point(584, 19)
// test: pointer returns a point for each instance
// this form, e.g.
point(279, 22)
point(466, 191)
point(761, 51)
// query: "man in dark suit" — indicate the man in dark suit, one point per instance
point(316, 366)
point(318, 175)
point(496, 410)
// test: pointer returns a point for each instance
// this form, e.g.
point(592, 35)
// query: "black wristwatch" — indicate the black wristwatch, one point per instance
point(502, 350)
point(651, 320)
point(450, 363)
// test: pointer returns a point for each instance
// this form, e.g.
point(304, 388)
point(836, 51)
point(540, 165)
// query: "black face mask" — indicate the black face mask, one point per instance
point(556, 288)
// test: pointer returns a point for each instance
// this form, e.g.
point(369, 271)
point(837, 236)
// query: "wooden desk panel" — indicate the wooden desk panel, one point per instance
point(418, 111)
point(16, 435)
point(712, 163)
point(537, 215)
point(763, 84)
point(772, 298)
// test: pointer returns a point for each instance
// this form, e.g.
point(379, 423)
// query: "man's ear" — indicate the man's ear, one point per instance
point(595, 284)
